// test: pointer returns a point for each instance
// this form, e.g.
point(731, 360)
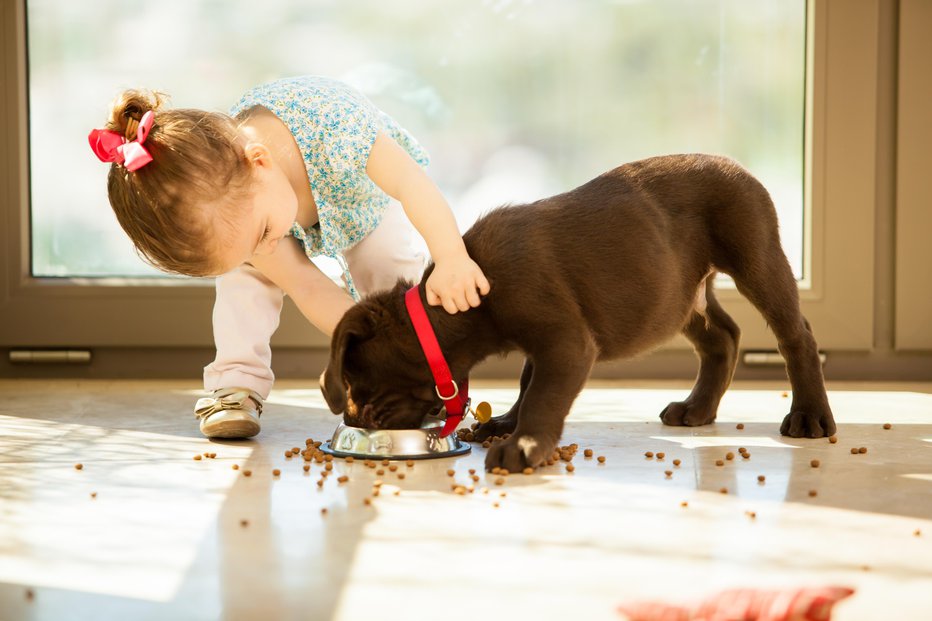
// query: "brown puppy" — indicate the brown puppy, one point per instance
point(611, 269)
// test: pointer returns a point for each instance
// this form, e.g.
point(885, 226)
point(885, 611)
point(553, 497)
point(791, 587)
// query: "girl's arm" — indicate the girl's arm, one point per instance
point(318, 298)
point(456, 281)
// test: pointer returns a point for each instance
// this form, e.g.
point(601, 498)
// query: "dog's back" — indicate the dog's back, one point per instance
point(625, 252)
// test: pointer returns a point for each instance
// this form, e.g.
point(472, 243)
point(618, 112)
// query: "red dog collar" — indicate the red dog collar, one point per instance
point(454, 397)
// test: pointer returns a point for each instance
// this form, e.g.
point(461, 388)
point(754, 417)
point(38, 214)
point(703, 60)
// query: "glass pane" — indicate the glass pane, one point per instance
point(515, 100)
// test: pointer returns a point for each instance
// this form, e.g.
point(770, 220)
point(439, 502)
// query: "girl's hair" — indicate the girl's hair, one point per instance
point(196, 160)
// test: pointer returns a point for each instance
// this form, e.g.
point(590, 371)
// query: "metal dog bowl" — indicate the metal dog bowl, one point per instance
point(423, 443)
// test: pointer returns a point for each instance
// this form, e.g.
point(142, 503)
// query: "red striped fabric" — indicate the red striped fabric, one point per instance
point(804, 604)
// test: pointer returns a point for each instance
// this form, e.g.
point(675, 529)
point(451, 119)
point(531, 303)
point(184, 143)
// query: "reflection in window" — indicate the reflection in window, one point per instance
point(515, 99)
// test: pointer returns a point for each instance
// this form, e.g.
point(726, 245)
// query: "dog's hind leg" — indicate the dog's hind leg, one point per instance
point(506, 423)
point(715, 337)
point(765, 278)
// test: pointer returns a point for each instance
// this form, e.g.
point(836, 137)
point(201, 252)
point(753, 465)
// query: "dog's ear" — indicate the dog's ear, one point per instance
point(356, 324)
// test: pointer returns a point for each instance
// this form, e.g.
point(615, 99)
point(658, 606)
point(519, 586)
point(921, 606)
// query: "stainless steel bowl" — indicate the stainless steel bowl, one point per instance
point(423, 443)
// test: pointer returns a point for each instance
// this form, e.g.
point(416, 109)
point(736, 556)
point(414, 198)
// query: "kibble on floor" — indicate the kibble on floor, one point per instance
point(263, 521)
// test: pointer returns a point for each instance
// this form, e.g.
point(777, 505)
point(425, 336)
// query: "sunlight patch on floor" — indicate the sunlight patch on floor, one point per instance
point(136, 538)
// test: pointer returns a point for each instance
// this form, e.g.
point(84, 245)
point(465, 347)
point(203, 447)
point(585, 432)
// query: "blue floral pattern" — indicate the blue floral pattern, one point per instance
point(335, 128)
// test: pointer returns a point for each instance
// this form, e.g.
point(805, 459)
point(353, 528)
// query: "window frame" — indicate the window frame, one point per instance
point(840, 181)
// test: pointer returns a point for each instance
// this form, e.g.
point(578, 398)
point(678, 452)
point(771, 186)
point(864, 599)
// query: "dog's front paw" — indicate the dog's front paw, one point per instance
point(518, 452)
point(683, 413)
point(808, 424)
point(498, 426)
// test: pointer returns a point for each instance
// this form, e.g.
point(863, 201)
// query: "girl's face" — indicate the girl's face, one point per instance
point(263, 218)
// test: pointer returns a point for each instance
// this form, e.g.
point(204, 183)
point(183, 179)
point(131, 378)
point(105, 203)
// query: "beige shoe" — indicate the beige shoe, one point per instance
point(229, 414)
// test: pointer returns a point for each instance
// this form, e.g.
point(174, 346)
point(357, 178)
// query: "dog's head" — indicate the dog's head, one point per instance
point(377, 376)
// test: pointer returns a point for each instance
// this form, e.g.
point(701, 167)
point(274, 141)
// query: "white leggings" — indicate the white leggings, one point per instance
point(248, 305)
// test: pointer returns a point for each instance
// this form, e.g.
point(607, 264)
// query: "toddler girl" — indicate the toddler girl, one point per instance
point(304, 167)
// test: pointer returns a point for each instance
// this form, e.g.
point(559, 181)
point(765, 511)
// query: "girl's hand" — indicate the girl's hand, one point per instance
point(454, 284)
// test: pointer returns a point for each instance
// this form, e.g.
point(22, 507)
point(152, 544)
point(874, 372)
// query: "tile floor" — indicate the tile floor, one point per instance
point(164, 537)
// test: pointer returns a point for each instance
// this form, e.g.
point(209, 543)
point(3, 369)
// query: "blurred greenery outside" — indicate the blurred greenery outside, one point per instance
point(514, 99)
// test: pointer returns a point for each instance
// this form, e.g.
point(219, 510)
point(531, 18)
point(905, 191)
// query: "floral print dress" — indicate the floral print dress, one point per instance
point(335, 128)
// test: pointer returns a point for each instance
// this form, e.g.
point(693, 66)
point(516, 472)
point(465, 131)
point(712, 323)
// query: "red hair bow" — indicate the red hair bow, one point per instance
point(109, 146)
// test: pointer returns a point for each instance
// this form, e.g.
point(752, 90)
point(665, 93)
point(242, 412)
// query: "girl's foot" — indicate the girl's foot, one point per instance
point(229, 413)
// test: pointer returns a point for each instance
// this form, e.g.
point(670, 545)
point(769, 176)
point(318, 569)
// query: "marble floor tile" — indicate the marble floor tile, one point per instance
point(145, 531)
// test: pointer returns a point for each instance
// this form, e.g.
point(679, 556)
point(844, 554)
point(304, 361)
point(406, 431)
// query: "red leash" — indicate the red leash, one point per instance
point(454, 397)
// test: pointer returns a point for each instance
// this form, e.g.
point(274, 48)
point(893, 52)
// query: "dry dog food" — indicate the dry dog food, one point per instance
point(196, 458)
point(649, 454)
point(570, 467)
point(729, 455)
point(813, 493)
point(528, 471)
point(401, 475)
point(669, 473)
point(367, 501)
point(588, 452)
point(236, 466)
point(288, 454)
point(93, 494)
point(887, 426)
point(739, 426)
point(500, 481)
point(276, 472)
point(660, 455)
point(761, 478)
point(862, 450)
point(684, 504)
point(247, 473)
point(719, 462)
point(244, 523)
point(380, 472)
point(723, 490)
point(451, 472)
point(814, 463)
point(328, 466)
point(392, 468)
point(854, 450)
point(409, 463)
point(676, 462)
point(342, 479)
point(833, 439)
point(349, 459)
point(601, 459)
point(307, 467)
point(323, 511)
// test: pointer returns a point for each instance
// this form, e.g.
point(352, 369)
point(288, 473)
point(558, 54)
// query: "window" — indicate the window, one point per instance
point(516, 100)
